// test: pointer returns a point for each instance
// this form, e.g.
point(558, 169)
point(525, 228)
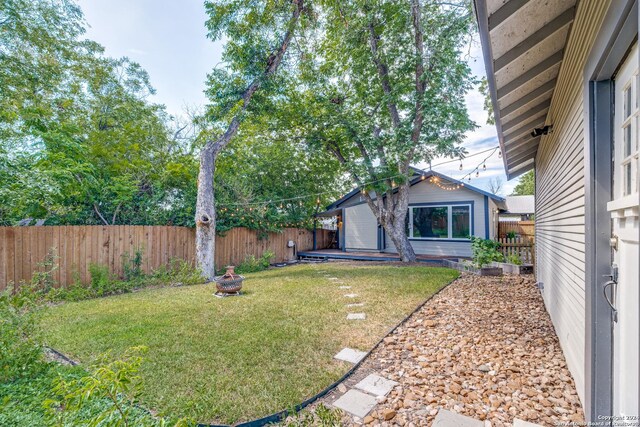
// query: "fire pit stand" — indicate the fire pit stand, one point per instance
point(228, 284)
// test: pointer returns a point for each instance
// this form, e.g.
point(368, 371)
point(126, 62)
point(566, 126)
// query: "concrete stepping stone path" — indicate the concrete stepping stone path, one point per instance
point(356, 403)
point(355, 304)
point(351, 295)
point(350, 355)
point(521, 423)
point(356, 316)
point(344, 287)
point(376, 385)
point(451, 419)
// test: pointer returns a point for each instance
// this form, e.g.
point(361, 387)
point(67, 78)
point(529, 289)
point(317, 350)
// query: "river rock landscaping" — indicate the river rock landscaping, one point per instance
point(485, 348)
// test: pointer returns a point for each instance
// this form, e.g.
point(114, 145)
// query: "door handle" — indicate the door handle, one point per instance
point(614, 311)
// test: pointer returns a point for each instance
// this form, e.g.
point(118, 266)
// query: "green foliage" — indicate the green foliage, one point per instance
point(487, 103)
point(116, 382)
point(514, 259)
point(319, 416)
point(485, 251)
point(251, 264)
point(526, 185)
point(20, 350)
point(100, 278)
point(132, 266)
point(42, 279)
point(511, 235)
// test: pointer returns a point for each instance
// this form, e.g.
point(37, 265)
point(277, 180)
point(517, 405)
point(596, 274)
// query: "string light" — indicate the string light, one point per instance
point(460, 164)
point(500, 154)
point(477, 173)
point(484, 166)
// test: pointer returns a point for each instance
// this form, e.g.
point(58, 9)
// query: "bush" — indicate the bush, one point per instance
point(132, 266)
point(514, 259)
point(485, 251)
point(511, 235)
point(251, 264)
point(42, 280)
point(100, 279)
point(20, 351)
point(110, 392)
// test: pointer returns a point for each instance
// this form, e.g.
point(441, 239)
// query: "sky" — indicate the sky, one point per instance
point(168, 38)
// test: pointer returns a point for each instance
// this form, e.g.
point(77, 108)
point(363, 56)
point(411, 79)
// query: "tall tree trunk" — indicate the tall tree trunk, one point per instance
point(206, 214)
point(398, 236)
point(205, 203)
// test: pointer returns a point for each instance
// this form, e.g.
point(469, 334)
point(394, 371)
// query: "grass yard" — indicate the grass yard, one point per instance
point(235, 359)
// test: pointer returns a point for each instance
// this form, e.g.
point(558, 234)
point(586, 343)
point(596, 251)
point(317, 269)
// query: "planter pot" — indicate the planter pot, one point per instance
point(229, 283)
point(513, 268)
point(484, 271)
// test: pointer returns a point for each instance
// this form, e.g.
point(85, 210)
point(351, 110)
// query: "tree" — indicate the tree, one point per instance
point(380, 86)
point(258, 38)
point(495, 185)
point(526, 185)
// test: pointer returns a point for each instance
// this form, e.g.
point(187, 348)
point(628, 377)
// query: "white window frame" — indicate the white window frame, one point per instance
point(449, 221)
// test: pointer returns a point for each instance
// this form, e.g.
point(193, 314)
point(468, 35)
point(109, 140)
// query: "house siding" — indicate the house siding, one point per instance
point(425, 192)
point(560, 196)
point(360, 228)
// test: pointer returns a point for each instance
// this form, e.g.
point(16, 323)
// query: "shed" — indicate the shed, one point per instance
point(443, 212)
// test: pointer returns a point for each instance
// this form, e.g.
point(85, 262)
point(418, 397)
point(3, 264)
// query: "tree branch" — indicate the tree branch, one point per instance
point(272, 66)
point(95, 208)
point(383, 73)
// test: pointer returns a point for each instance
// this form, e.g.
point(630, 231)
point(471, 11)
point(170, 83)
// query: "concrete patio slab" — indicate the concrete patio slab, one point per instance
point(521, 423)
point(376, 385)
point(356, 316)
point(451, 419)
point(356, 403)
point(350, 355)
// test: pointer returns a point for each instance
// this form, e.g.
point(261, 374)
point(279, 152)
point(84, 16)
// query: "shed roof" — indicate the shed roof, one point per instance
point(418, 175)
point(523, 45)
point(520, 205)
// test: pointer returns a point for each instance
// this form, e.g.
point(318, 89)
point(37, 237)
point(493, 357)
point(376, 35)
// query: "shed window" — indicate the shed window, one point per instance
point(439, 222)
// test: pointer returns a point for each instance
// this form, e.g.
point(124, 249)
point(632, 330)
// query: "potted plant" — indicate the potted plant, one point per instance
point(485, 252)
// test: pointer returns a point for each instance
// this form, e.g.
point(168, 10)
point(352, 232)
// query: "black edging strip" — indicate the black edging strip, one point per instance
point(62, 356)
point(279, 416)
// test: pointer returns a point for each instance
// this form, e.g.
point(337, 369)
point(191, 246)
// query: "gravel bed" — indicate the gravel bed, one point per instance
point(484, 347)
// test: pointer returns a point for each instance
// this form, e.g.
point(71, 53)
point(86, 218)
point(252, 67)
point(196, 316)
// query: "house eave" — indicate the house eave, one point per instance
point(530, 39)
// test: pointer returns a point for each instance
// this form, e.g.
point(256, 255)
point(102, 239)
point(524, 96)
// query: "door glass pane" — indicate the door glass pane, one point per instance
point(627, 102)
point(431, 222)
point(460, 218)
point(627, 140)
point(627, 178)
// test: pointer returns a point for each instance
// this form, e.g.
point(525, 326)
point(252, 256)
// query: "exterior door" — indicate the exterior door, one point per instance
point(623, 290)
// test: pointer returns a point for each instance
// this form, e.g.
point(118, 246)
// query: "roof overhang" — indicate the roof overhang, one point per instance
point(523, 45)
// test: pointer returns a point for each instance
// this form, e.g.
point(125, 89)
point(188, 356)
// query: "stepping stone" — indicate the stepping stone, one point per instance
point(521, 423)
point(350, 355)
point(356, 403)
point(333, 278)
point(376, 385)
point(356, 316)
point(451, 419)
point(351, 295)
point(355, 304)
point(344, 287)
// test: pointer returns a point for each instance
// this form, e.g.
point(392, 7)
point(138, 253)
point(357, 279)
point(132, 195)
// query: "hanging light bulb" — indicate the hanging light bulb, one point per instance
point(318, 201)
point(469, 178)
point(500, 153)
point(484, 166)
point(477, 173)
point(423, 177)
point(460, 165)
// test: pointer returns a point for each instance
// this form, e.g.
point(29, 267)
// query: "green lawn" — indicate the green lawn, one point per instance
point(239, 358)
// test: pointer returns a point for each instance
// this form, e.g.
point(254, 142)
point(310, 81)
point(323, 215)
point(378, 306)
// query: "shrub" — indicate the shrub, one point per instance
point(319, 416)
point(514, 259)
point(132, 266)
point(251, 264)
point(42, 280)
point(20, 351)
point(511, 235)
point(100, 279)
point(485, 251)
point(108, 395)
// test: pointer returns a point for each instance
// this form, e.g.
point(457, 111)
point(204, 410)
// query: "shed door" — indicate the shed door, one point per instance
point(360, 228)
point(623, 290)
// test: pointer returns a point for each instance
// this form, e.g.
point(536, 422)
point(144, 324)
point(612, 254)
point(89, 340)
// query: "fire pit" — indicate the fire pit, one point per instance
point(229, 283)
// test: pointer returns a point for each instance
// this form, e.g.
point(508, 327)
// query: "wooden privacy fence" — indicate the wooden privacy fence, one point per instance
point(521, 228)
point(75, 248)
point(523, 247)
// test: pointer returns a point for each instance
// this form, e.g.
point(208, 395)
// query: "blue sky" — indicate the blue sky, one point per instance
point(168, 39)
